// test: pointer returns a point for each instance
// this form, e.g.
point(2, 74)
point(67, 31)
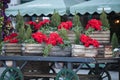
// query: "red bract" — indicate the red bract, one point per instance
point(95, 43)
point(11, 38)
point(54, 39)
point(94, 23)
point(83, 38)
point(40, 24)
point(14, 40)
point(12, 35)
point(39, 37)
point(60, 40)
point(69, 24)
point(66, 25)
point(46, 21)
point(87, 41)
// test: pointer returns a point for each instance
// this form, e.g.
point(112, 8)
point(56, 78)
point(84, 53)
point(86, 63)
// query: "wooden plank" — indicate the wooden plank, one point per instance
point(53, 75)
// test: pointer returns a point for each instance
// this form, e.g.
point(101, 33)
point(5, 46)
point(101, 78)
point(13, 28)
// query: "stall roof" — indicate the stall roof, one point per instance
point(93, 6)
point(45, 7)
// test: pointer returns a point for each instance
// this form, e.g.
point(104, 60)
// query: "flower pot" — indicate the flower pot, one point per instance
point(12, 49)
point(33, 49)
point(103, 37)
point(58, 51)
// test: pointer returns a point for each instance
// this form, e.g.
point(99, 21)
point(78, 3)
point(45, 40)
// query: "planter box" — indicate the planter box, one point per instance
point(33, 49)
point(82, 51)
point(58, 51)
point(71, 36)
point(78, 50)
point(102, 36)
point(108, 51)
point(12, 49)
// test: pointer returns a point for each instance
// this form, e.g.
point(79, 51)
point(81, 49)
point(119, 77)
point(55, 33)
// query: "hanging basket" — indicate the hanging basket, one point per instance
point(12, 49)
point(103, 37)
point(33, 49)
point(58, 51)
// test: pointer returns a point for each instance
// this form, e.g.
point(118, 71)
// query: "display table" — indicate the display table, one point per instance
point(67, 60)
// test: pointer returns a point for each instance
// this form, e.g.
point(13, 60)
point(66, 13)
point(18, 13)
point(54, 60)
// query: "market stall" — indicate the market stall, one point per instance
point(49, 41)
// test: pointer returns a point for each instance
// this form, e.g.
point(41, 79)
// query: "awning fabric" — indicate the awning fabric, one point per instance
point(93, 6)
point(45, 7)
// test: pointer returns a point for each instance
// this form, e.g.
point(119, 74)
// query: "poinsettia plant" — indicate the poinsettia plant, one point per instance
point(12, 38)
point(40, 25)
point(87, 41)
point(95, 24)
point(54, 39)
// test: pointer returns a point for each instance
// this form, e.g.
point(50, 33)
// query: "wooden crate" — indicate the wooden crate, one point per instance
point(108, 51)
point(91, 51)
point(33, 49)
point(82, 51)
point(102, 36)
point(71, 36)
point(58, 51)
point(78, 50)
point(12, 49)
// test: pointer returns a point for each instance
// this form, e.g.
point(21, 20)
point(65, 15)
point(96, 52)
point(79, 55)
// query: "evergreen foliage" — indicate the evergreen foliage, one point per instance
point(1, 23)
point(47, 49)
point(76, 20)
point(114, 41)
point(19, 21)
point(55, 19)
point(63, 33)
point(104, 20)
point(24, 32)
point(78, 28)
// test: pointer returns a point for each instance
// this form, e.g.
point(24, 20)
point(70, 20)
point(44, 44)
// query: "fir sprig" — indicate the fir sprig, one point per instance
point(63, 33)
point(47, 49)
point(55, 19)
point(104, 20)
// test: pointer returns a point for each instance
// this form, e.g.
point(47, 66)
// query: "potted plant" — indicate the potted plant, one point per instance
point(101, 27)
point(115, 45)
point(57, 44)
point(84, 43)
point(13, 42)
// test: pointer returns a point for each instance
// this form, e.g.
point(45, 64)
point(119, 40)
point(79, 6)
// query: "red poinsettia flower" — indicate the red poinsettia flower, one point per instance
point(39, 37)
point(87, 41)
point(38, 25)
point(60, 40)
point(11, 38)
point(95, 24)
point(12, 35)
point(95, 43)
point(46, 21)
point(54, 39)
point(14, 40)
point(83, 38)
point(66, 25)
